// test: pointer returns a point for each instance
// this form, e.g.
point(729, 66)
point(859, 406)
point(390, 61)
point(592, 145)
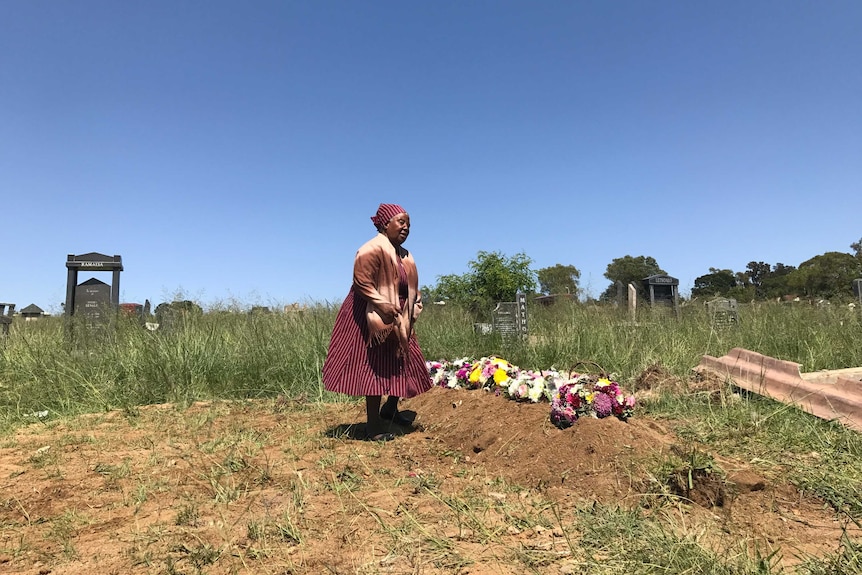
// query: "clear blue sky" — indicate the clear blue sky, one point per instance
point(235, 150)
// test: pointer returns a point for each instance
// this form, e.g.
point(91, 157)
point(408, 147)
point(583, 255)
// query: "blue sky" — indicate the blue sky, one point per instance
point(234, 151)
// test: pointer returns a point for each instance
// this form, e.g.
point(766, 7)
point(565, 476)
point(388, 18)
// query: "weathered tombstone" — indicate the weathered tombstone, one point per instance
point(177, 313)
point(94, 262)
point(6, 317)
point(621, 293)
point(857, 289)
point(633, 302)
point(504, 318)
point(723, 312)
point(93, 301)
point(509, 319)
point(662, 290)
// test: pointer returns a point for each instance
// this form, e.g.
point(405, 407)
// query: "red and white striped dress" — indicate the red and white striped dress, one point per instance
point(354, 368)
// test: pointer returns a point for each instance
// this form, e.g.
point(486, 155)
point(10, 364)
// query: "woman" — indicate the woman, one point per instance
point(373, 350)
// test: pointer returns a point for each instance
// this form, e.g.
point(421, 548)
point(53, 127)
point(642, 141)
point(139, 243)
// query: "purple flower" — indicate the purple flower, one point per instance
point(563, 417)
point(603, 405)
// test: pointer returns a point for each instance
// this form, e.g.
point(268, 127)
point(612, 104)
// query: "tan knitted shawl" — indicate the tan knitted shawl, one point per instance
point(375, 277)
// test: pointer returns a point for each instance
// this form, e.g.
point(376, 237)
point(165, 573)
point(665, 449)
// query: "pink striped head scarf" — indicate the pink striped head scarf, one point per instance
point(385, 213)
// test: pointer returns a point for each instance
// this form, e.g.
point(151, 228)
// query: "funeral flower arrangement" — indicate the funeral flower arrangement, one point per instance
point(589, 396)
point(572, 395)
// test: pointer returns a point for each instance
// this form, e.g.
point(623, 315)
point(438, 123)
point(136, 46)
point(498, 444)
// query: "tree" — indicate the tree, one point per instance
point(774, 284)
point(757, 272)
point(628, 269)
point(857, 248)
point(827, 275)
point(493, 277)
point(716, 283)
point(559, 279)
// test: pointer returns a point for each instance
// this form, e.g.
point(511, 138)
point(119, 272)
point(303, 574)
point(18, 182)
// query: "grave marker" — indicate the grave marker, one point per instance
point(6, 319)
point(521, 300)
point(95, 293)
point(93, 300)
point(505, 318)
point(510, 318)
point(662, 290)
point(723, 312)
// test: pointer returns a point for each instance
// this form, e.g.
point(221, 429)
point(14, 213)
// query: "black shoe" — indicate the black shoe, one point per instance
point(382, 437)
point(397, 418)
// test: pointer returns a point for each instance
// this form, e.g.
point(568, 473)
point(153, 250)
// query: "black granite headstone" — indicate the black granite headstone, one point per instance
point(93, 300)
point(92, 262)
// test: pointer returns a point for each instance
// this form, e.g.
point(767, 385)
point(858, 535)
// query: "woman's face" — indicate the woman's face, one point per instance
point(398, 229)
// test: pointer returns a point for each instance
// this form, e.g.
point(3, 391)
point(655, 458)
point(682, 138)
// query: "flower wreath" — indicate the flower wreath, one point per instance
point(572, 395)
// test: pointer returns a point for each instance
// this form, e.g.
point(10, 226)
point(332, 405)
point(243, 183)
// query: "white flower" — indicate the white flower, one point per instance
point(537, 390)
point(513, 387)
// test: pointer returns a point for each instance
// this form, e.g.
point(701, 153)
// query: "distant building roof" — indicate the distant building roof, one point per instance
point(553, 298)
point(32, 309)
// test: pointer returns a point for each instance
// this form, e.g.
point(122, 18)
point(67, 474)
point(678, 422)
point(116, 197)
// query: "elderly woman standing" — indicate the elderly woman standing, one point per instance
point(373, 350)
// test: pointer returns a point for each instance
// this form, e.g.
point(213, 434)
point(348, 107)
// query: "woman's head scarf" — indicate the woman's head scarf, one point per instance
point(385, 213)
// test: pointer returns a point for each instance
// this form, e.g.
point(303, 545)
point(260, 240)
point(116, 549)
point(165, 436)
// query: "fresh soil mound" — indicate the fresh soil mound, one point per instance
point(517, 441)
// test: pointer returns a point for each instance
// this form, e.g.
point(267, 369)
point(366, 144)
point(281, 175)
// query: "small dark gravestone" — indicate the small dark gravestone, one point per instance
point(505, 318)
point(6, 318)
point(93, 301)
point(622, 296)
point(723, 312)
point(857, 289)
point(173, 315)
point(509, 319)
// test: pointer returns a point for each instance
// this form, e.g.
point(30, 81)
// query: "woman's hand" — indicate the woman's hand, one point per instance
point(387, 312)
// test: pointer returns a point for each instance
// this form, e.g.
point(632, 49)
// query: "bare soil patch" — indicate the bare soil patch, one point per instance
point(286, 487)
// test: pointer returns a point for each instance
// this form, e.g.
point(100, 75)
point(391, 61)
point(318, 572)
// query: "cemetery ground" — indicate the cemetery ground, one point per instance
point(479, 485)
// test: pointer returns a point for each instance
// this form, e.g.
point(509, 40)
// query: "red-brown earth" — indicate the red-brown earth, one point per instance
point(283, 486)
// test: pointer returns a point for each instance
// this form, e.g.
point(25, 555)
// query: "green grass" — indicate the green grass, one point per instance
point(222, 355)
point(45, 366)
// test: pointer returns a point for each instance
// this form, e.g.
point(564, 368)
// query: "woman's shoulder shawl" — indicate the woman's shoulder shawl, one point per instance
point(375, 276)
point(376, 244)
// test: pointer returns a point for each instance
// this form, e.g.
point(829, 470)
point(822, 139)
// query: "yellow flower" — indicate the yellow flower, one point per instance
point(603, 381)
point(589, 396)
point(500, 362)
point(500, 376)
point(475, 374)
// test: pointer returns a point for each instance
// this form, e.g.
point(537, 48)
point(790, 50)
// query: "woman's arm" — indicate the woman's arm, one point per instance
point(368, 270)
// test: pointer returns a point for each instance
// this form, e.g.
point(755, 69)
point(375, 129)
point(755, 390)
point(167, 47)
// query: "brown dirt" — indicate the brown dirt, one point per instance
point(286, 487)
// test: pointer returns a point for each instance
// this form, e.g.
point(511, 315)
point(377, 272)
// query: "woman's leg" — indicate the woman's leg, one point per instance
point(390, 408)
point(375, 426)
point(390, 412)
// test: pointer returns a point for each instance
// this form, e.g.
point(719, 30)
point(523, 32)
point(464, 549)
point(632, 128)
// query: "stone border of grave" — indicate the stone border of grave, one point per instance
point(828, 394)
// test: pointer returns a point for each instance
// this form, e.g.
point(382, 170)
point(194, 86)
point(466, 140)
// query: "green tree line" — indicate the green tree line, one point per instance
point(494, 277)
